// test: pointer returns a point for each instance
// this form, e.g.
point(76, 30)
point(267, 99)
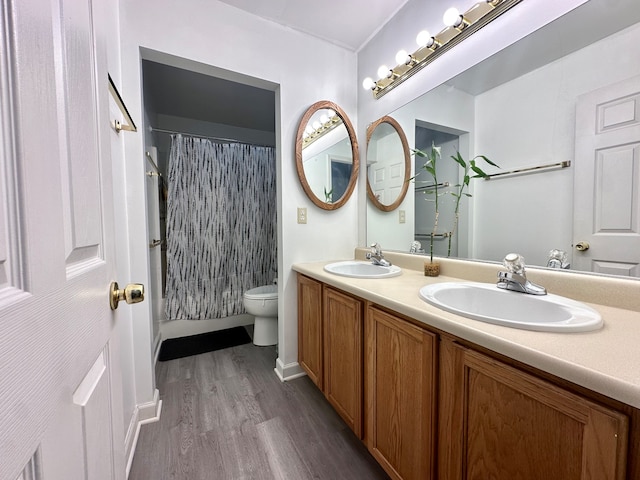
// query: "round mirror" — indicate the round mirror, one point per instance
point(388, 164)
point(327, 155)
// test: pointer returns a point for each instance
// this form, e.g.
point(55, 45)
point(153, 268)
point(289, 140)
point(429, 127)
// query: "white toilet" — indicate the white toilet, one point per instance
point(262, 302)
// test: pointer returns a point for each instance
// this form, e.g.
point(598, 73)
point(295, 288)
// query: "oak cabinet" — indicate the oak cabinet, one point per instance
point(310, 328)
point(330, 331)
point(429, 407)
point(343, 332)
point(400, 395)
point(501, 423)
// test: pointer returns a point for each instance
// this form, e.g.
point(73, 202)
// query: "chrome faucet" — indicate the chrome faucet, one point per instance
point(515, 278)
point(376, 256)
point(558, 259)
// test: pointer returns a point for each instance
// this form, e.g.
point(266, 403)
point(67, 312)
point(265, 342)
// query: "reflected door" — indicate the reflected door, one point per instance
point(606, 234)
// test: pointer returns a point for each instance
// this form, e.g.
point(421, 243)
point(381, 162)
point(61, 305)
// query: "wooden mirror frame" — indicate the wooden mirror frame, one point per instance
point(407, 164)
point(355, 166)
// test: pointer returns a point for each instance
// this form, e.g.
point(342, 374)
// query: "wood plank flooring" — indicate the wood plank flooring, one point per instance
point(226, 415)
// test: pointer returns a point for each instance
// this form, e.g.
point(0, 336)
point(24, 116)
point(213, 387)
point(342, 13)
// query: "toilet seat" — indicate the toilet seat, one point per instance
point(266, 292)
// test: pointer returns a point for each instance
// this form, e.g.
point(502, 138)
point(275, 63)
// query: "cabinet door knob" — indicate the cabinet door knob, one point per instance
point(132, 293)
point(582, 246)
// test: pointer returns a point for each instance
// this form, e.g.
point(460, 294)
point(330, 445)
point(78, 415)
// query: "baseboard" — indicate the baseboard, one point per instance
point(289, 371)
point(144, 413)
point(184, 328)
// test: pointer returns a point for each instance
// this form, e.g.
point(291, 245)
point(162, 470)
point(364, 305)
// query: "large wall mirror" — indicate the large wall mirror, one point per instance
point(327, 155)
point(388, 164)
point(568, 94)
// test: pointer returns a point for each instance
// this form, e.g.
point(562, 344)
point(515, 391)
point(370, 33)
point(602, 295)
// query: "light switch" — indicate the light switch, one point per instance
point(402, 216)
point(302, 215)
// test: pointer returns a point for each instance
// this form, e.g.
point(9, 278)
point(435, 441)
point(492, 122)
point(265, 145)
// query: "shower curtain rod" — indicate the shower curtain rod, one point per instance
point(219, 139)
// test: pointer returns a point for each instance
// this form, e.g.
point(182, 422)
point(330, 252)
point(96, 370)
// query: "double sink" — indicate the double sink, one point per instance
point(488, 303)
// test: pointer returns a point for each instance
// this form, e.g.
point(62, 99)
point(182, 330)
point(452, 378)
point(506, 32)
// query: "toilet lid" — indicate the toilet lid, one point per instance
point(264, 292)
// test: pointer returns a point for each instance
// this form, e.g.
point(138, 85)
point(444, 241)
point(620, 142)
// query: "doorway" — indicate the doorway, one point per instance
point(193, 100)
point(447, 173)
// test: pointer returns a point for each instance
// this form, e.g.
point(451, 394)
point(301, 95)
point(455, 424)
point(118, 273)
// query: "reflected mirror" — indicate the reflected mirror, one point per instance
point(327, 155)
point(388, 164)
point(567, 95)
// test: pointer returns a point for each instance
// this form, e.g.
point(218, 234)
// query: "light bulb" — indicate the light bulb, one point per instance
point(424, 39)
point(452, 17)
point(383, 71)
point(316, 125)
point(324, 118)
point(403, 58)
point(308, 129)
point(368, 83)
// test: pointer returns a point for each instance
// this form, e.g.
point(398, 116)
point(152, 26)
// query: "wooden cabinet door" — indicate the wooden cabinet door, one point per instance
point(343, 327)
point(498, 422)
point(310, 328)
point(400, 372)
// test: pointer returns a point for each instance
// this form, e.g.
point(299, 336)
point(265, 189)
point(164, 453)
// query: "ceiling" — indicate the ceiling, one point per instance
point(177, 92)
point(348, 23)
point(182, 93)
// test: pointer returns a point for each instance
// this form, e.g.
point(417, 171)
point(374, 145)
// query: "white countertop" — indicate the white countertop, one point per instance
point(606, 361)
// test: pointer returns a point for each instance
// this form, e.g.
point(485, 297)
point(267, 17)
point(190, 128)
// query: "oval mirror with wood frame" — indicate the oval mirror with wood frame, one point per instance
point(327, 155)
point(388, 164)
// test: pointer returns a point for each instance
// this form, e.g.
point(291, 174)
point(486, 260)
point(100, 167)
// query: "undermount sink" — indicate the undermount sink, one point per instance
point(355, 269)
point(488, 303)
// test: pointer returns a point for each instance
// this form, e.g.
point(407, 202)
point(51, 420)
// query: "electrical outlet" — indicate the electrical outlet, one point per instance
point(402, 216)
point(302, 215)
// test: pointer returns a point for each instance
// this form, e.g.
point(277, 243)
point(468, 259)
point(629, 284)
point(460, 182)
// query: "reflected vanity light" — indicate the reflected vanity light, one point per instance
point(319, 128)
point(458, 27)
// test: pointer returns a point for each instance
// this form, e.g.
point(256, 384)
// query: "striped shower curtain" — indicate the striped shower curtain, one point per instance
point(221, 226)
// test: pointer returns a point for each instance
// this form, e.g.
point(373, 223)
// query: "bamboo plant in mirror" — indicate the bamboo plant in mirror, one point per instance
point(326, 151)
point(436, 189)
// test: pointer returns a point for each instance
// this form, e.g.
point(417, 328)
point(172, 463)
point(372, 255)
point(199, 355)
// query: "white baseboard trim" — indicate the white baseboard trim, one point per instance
point(184, 328)
point(289, 371)
point(144, 413)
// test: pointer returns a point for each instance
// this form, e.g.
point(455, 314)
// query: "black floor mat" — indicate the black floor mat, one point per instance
point(173, 348)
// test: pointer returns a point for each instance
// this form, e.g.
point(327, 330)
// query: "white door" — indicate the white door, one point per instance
point(607, 180)
point(386, 172)
point(58, 410)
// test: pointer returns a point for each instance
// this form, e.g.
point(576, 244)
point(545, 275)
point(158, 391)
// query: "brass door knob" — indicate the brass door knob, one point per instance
point(582, 246)
point(132, 293)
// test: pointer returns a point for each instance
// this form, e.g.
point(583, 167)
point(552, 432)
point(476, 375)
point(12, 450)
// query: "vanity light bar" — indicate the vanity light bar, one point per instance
point(319, 130)
point(464, 26)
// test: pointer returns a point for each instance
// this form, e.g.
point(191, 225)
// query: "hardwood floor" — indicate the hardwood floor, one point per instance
point(226, 415)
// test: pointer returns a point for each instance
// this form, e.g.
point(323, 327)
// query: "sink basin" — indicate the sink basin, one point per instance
point(355, 269)
point(488, 303)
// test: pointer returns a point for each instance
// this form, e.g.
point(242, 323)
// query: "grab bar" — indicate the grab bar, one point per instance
point(427, 187)
point(153, 164)
point(437, 236)
point(538, 169)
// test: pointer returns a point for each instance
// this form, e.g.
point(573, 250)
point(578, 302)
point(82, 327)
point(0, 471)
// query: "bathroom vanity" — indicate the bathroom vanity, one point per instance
point(436, 395)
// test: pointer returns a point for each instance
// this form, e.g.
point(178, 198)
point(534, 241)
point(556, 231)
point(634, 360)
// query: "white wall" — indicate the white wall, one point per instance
point(229, 40)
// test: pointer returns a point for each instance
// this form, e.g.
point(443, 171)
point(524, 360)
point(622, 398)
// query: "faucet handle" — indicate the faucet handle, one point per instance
point(514, 263)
